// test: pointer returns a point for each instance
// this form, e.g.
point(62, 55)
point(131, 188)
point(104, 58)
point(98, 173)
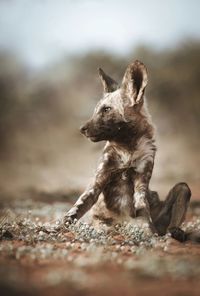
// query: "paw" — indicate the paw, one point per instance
point(68, 220)
point(178, 234)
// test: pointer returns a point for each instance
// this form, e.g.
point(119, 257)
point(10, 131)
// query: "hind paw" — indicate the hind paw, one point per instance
point(178, 234)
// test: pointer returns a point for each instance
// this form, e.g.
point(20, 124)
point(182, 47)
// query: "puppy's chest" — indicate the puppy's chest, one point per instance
point(137, 159)
point(130, 160)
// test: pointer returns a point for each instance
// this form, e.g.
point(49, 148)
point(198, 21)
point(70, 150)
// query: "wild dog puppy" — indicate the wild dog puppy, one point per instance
point(121, 118)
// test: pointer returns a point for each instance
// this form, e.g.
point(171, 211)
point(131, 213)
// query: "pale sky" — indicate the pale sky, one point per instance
point(39, 31)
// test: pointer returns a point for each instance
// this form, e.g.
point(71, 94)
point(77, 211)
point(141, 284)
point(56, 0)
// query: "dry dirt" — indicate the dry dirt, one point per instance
point(39, 257)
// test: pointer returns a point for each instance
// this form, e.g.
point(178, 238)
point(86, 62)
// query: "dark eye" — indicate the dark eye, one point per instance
point(105, 109)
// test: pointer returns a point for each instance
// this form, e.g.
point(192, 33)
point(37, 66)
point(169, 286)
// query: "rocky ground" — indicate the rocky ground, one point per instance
point(39, 257)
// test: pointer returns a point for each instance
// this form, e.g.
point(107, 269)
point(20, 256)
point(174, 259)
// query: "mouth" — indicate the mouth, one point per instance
point(93, 138)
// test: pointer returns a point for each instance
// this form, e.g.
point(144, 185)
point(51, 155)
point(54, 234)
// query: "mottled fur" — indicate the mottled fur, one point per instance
point(122, 178)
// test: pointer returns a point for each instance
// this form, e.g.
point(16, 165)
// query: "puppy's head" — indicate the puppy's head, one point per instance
point(120, 107)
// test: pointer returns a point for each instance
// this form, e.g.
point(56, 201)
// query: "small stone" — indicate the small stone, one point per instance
point(165, 249)
point(41, 233)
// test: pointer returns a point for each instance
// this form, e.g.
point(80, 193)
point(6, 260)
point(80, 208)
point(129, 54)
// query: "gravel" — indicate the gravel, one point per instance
point(34, 231)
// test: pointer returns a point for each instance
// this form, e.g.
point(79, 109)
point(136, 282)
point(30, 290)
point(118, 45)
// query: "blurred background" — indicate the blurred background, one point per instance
point(49, 55)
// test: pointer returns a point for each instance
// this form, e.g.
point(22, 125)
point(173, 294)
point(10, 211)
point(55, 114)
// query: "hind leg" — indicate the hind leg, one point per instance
point(173, 212)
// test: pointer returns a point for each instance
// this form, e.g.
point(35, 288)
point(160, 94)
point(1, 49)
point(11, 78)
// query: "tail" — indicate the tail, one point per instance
point(184, 236)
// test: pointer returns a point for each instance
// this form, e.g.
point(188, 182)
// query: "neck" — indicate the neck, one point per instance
point(128, 137)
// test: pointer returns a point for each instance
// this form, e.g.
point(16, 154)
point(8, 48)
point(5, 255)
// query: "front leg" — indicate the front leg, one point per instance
point(91, 194)
point(141, 188)
point(140, 197)
point(84, 203)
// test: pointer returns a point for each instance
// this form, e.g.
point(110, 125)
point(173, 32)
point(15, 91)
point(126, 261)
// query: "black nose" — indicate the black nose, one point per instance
point(83, 129)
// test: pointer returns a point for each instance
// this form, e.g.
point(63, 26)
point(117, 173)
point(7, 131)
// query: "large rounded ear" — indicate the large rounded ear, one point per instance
point(109, 85)
point(134, 82)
